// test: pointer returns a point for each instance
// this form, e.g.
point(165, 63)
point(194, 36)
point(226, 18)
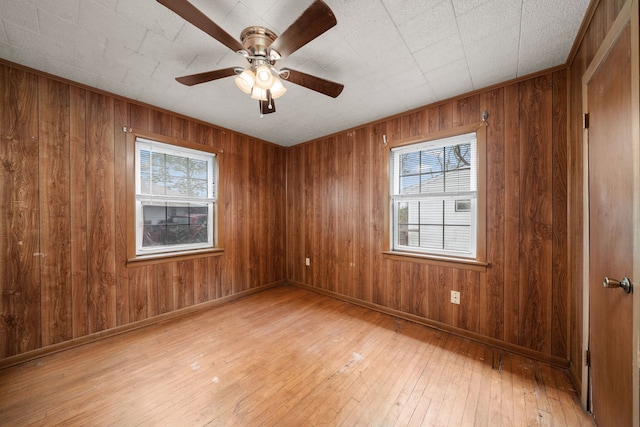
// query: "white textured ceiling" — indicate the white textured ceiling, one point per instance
point(391, 55)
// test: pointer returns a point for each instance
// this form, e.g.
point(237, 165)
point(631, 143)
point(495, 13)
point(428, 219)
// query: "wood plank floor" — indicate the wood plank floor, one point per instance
point(287, 357)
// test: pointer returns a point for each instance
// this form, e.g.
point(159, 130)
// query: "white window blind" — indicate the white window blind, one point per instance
point(434, 187)
point(175, 197)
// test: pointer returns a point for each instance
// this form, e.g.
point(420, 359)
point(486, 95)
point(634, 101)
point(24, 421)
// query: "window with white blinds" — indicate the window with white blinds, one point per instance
point(434, 192)
point(175, 197)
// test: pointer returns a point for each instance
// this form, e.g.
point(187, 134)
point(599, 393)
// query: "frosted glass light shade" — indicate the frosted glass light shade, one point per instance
point(277, 88)
point(264, 78)
point(259, 93)
point(245, 81)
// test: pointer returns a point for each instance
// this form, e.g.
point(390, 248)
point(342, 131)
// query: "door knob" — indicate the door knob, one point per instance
point(625, 284)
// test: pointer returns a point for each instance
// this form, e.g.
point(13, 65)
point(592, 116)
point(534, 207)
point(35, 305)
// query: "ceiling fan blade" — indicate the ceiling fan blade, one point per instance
point(190, 13)
point(314, 21)
point(207, 76)
point(323, 86)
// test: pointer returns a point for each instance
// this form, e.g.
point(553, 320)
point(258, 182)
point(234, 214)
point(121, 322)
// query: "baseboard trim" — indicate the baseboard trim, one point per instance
point(512, 348)
point(87, 339)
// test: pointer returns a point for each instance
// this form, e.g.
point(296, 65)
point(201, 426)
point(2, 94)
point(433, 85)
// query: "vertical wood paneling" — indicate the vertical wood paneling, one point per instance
point(20, 328)
point(78, 206)
point(362, 197)
point(258, 182)
point(347, 215)
point(214, 273)
point(515, 299)
point(160, 122)
point(492, 285)
point(392, 284)
point(327, 219)
point(163, 282)
point(121, 120)
point(467, 111)
point(295, 201)
point(559, 320)
point(236, 213)
point(242, 243)
point(274, 205)
point(100, 213)
point(416, 291)
point(138, 305)
point(201, 280)
point(512, 215)
point(535, 213)
point(445, 112)
point(379, 170)
point(434, 119)
point(150, 275)
point(311, 213)
point(439, 304)
point(55, 226)
point(394, 129)
point(140, 117)
point(180, 128)
point(468, 283)
point(64, 264)
point(277, 195)
point(183, 284)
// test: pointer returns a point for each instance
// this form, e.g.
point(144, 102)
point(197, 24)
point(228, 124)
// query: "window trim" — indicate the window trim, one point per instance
point(141, 259)
point(480, 259)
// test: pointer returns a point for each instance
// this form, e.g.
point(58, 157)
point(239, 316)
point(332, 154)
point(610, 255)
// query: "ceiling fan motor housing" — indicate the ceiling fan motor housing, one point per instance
point(256, 40)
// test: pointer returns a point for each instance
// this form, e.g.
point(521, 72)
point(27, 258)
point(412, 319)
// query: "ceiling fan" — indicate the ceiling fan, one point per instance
point(261, 47)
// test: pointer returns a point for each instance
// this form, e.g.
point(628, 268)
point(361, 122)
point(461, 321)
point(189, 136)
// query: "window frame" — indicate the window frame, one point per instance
point(134, 209)
point(478, 262)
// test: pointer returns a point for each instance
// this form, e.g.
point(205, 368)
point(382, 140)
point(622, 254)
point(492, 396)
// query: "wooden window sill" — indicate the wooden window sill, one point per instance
point(465, 264)
point(172, 257)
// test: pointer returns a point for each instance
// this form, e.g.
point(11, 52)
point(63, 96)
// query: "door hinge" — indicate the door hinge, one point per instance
point(585, 121)
point(587, 358)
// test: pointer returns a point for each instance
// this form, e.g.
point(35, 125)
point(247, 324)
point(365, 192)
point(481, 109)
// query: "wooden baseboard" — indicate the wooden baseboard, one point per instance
point(45, 351)
point(512, 348)
point(54, 348)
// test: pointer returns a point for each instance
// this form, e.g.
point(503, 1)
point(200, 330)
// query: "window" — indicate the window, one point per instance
point(175, 198)
point(435, 202)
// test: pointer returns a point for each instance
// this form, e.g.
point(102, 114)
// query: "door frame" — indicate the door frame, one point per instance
point(629, 10)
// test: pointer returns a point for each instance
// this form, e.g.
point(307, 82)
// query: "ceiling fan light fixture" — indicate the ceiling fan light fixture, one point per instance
point(261, 47)
point(277, 88)
point(264, 78)
point(245, 81)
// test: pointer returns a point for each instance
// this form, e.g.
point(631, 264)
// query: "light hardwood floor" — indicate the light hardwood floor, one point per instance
point(287, 357)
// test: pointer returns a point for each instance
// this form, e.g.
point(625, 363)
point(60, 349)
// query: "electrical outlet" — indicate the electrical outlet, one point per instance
point(455, 297)
point(307, 262)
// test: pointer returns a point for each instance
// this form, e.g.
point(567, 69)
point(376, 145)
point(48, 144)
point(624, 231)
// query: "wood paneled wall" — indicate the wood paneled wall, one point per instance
point(62, 249)
point(63, 267)
point(335, 217)
point(604, 13)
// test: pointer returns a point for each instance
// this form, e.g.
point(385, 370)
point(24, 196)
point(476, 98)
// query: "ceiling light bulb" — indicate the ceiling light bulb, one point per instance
point(277, 88)
point(259, 93)
point(264, 78)
point(245, 81)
